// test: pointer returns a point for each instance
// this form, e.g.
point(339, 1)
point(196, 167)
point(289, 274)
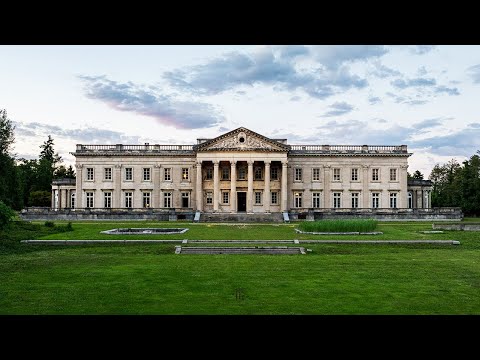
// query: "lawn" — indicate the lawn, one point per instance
point(151, 279)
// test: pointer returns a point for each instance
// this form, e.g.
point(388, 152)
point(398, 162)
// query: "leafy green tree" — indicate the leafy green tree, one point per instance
point(417, 175)
point(40, 198)
point(6, 214)
point(70, 173)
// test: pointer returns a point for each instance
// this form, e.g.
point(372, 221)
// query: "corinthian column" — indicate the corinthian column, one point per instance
point(250, 187)
point(284, 185)
point(117, 186)
point(199, 194)
point(266, 191)
point(233, 186)
point(216, 185)
point(365, 186)
point(79, 186)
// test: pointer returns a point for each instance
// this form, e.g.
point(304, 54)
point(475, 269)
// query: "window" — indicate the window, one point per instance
point(336, 199)
point(336, 174)
point(209, 196)
point(225, 197)
point(410, 200)
point(89, 199)
point(425, 201)
point(354, 174)
point(167, 174)
point(242, 173)
point(167, 199)
point(107, 174)
point(375, 200)
point(297, 199)
point(146, 199)
point(72, 201)
point(128, 174)
point(258, 198)
point(274, 196)
point(185, 199)
point(375, 174)
point(146, 174)
point(208, 173)
point(258, 173)
point(393, 174)
point(89, 174)
point(354, 200)
point(274, 173)
point(107, 199)
point(393, 200)
point(225, 173)
point(185, 175)
point(316, 199)
point(298, 174)
point(316, 174)
point(129, 199)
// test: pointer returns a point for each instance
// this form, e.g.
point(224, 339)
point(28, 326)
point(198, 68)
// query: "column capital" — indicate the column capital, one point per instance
point(118, 166)
point(327, 167)
point(233, 163)
point(267, 162)
point(78, 166)
point(365, 167)
point(199, 163)
point(250, 162)
point(404, 166)
point(285, 163)
point(216, 162)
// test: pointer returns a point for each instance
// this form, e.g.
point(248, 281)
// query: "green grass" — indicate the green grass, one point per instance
point(367, 225)
point(151, 279)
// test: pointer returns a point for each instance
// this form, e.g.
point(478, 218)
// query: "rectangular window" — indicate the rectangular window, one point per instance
point(225, 173)
point(167, 174)
point(128, 174)
point(90, 174)
point(208, 173)
point(274, 198)
point(274, 173)
point(298, 174)
point(89, 199)
point(225, 197)
point(393, 200)
point(72, 201)
point(167, 199)
point(107, 199)
point(258, 198)
point(316, 199)
point(337, 200)
point(316, 174)
point(393, 174)
point(297, 198)
point(146, 174)
point(354, 174)
point(129, 199)
point(258, 173)
point(209, 197)
point(146, 199)
point(375, 174)
point(375, 200)
point(185, 174)
point(185, 199)
point(107, 174)
point(336, 174)
point(242, 173)
point(354, 200)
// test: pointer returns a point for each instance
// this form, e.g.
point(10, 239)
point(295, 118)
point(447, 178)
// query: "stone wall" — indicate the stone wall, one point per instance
point(464, 227)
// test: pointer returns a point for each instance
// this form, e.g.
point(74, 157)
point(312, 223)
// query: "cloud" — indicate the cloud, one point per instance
point(429, 123)
point(474, 72)
point(421, 49)
point(415, 102)
point(374, 100)
point(383, 71)
point(460, 143)
point(295, 98)
point(278, 68)
point(444, 89)
point(149, 102)
point(417, 82)
point(421, 71)
point(474, 125)
point(339, 108)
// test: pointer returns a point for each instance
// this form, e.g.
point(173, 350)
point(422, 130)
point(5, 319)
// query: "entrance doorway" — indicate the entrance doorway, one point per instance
point(241, 201)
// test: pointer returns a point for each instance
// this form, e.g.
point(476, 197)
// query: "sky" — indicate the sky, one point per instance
point(423, 96)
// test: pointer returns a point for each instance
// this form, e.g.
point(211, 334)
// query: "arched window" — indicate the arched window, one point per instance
point(410, 200)
point(72, 201)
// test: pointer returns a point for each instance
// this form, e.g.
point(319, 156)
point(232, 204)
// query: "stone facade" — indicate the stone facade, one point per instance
point(240, 172)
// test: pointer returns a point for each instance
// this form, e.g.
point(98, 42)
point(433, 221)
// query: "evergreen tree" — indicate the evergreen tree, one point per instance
point(417, 175)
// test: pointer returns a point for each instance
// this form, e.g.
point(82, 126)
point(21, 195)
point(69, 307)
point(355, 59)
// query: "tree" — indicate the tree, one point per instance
point(46, 166)
point(40, 198)
point(417, 175)
point(70, 173)
point(7, 137)
point(48, 153)
point(6, 214)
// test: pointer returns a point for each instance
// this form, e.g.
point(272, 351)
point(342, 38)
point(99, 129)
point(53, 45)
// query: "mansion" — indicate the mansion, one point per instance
point(241, 171)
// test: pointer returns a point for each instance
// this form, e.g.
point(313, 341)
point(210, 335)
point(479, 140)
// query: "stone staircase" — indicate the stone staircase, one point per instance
point(212, 250)
point(242, 217)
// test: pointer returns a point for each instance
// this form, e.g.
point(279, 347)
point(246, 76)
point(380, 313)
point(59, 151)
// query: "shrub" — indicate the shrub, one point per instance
point(339, 225)
point(6, 214)
point(69, 227)
point(49, 224)
point(40, 198)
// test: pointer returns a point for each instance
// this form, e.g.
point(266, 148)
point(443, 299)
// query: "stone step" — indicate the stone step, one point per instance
point(270, 250)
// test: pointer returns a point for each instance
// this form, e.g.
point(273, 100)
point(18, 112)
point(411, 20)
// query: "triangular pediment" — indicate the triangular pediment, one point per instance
point(242, 139)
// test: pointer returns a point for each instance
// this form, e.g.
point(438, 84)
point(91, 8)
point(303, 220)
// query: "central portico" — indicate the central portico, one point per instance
point(241, 171)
